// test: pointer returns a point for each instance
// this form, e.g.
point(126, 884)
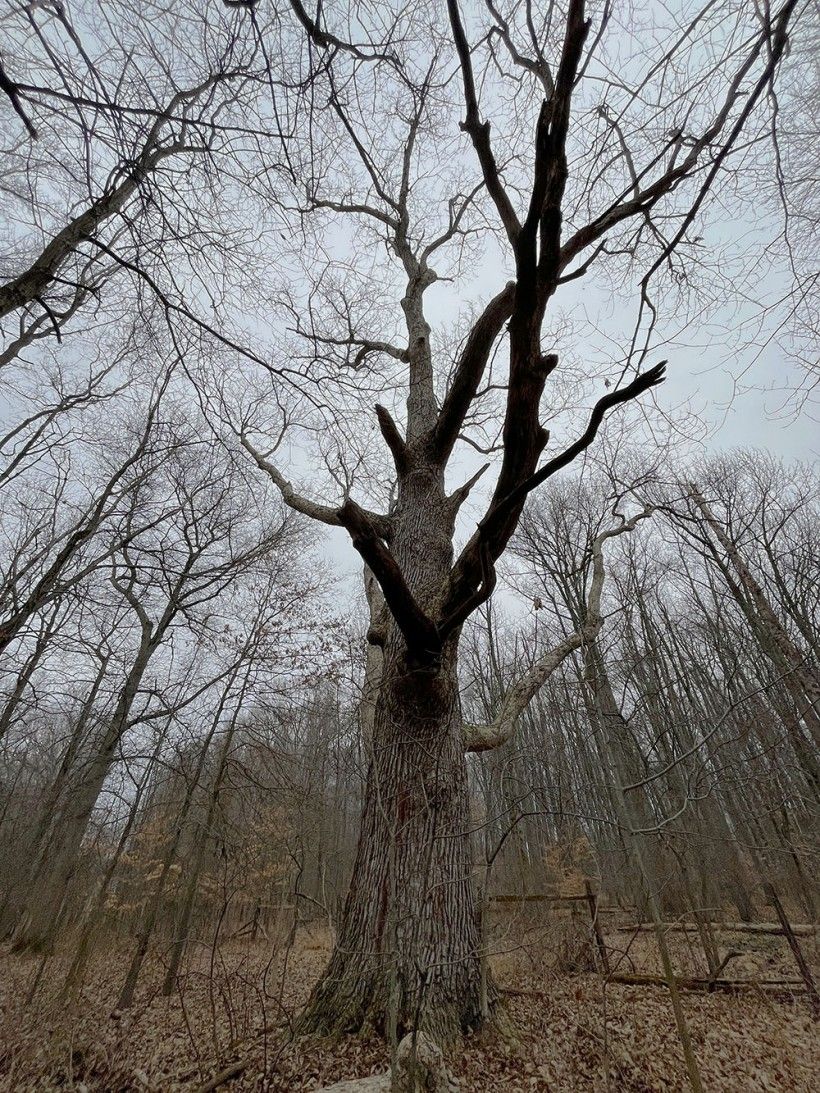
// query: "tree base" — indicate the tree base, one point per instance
point(361, 1002)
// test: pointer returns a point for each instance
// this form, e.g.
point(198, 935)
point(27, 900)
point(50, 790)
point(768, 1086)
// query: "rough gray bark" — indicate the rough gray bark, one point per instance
point(407, 954)
point(408, 950)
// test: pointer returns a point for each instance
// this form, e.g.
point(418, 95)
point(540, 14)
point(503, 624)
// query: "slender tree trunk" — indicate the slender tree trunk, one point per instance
point(38, 922)
point(633, 817)
point(95, 906)
point(799, 676)
point(155, 906)
point(198, 857)
point(622, 759)
point(48, 629)
point(58, 856)
point(39, 847)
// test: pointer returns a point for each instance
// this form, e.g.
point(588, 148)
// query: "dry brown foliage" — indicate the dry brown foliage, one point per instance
point(573, 1032)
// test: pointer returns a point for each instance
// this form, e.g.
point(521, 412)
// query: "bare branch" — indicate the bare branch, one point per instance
point(324, 513)
point(9, 88)
point(393, 439)
point(418, 630)
point(479, 131)
point(470, 369)
point(520, 694)
point(494, 530)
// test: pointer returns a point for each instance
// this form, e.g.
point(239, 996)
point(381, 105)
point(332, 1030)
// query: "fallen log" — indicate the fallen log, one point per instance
point(692, 983)
point(375, 1083)
point(539, 897)
point(804, 929)
point(797, 952)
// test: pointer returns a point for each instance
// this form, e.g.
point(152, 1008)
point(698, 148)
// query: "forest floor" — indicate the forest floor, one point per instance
point(572, 1032)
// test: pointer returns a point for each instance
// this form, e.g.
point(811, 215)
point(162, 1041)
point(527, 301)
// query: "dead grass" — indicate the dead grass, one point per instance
point(236, 1005)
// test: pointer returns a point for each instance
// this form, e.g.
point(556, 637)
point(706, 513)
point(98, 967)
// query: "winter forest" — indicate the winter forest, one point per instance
point(409, 522)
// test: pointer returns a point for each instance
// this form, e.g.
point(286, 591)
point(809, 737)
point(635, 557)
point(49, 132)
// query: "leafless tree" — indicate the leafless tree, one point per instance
point(411, 909)
point(237, 227)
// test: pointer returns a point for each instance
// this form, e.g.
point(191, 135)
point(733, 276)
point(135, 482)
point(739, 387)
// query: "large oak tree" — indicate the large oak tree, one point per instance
point(608, 153)
point(356, 175)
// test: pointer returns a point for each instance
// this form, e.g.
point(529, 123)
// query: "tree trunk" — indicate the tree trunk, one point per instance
point(43, 842)
point(38, 924)
point(58, 859)
point(408, 953)
point(799, 676)
point(95, 908)
point(60, 846)
point(200, 844)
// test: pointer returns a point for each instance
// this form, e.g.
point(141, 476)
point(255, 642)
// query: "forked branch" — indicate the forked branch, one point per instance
point(419, 631)
point(642, 382)
point(494, 530)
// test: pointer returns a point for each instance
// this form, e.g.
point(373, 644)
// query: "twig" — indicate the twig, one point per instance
point(227, 1075)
